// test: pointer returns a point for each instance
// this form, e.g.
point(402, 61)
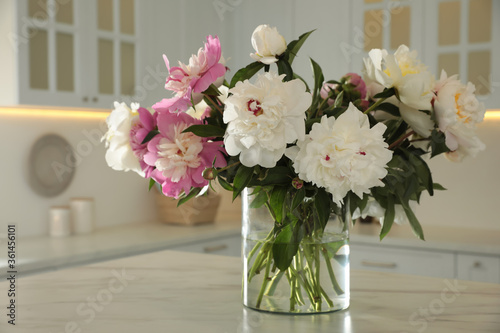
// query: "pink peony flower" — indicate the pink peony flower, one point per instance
point(358, 82)
point(351, 78)
point(138, 132)
point(194, 78)
point(180, 158)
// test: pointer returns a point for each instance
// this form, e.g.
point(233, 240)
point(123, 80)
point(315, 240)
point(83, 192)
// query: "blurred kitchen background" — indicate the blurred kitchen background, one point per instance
point(64, 62)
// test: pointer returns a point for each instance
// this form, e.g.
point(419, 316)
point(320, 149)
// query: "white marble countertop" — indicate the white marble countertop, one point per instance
point(36, 254)
point(182, 292)
point(45, 253)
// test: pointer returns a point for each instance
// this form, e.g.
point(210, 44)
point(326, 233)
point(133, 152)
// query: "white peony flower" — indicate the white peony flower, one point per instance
point(264, 117)
point(343, 154)
point(268, 44)
point(413, 81)
point(119, 154)
point(457, 113)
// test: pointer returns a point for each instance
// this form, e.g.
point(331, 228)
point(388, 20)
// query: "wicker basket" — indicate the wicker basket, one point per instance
point(200, 210)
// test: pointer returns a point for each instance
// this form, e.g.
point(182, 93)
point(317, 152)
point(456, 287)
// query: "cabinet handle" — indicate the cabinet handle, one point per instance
point(379, 264)
point(95, 99)
point(85, 99)
point(210, 249)
point(477, 264)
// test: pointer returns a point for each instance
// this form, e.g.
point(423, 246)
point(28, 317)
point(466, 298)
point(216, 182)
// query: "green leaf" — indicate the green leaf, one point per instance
point(438, 143)
point(423, 172)
point(318, 82)
point(205, 131)
point(279, 175)
point(212, 91)
point(388, 92)
point(415, 225)
point(339, 100)
point(389, 108)
point(246, 73)
point(277, 202)
point(438, 187)
point(298, 198)
point(225, 185)
point(287, 242)
point(285, 68)
point(322, 206)
point(150, 136)
point(194, 192)
point(295, 45)
point(259, 200)
point(241, 180)
point(151, 183)
point(389, 215)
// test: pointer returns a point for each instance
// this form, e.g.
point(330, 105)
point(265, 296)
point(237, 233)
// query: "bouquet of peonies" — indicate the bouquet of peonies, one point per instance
point(356, 146)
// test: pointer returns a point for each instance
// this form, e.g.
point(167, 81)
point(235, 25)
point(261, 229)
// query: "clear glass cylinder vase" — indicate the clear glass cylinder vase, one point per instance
point(317, 279)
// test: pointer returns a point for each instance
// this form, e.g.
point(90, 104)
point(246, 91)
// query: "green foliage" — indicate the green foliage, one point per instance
point(194, 192)
point(318, 83)
point(246, 73)
point(438, 143)
point(241, 180)
point(205, 131)
point(286, 243)
point(295, 45)
point(285, 68)
point(150, 136)
point(151, 183)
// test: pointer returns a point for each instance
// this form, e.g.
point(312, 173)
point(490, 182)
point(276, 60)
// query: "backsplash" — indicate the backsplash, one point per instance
point(120, 197)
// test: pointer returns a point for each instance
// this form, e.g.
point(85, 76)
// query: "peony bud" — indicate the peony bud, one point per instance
point(209, 173)
point(297, 183)
point(357, 82)
point(268, 44)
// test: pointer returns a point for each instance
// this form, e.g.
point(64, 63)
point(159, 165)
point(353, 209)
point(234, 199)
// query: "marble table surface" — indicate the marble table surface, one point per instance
point(182, 292)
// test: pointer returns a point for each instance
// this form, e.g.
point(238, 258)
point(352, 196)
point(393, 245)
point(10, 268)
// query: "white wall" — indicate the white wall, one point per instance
point(119, 197)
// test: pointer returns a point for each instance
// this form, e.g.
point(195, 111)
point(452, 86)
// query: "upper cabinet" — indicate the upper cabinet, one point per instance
point(75, 53)
point(460, 36)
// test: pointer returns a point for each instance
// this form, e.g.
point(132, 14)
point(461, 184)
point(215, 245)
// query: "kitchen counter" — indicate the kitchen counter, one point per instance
point(37, 254)
point(173, 292)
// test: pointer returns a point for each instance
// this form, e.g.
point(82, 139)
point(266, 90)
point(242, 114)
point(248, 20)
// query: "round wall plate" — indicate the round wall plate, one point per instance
point(50, 169)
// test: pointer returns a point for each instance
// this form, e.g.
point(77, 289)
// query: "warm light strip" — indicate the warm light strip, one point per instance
point(492, 114)
point(92, 114)
point(54, 113)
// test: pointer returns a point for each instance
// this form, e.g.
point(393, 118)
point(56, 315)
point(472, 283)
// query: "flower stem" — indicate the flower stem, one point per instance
point(318, 286)
point(264, 281)
point(228, 166)
point(336, 285)
point(401, 139)
point(374, 105)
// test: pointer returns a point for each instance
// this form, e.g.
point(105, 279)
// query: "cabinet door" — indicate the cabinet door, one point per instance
point(404, 261)
point(478, 268)
point(50, 37)
point(113, 51)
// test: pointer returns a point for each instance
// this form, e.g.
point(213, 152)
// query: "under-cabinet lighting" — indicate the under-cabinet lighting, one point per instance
point(55, 112)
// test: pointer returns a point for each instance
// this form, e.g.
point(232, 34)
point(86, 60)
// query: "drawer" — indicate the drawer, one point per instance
point(403, 261)
point(228, 246)
point(478, 268)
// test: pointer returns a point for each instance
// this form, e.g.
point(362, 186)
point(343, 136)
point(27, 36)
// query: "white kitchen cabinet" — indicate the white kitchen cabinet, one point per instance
point(228, 246)
point(478, 268)
point(402, 260)
point(75, 53)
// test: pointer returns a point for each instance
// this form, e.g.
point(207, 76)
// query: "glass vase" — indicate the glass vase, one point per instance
point(317, 279)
